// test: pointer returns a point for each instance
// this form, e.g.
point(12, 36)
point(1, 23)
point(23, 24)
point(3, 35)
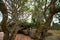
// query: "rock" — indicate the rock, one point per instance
point(1, 35)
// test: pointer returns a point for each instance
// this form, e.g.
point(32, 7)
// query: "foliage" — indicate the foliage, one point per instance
point(57, 4)
point(20, 10)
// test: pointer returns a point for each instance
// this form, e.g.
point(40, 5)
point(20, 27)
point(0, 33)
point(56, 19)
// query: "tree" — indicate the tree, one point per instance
point(43, 28)
point(3, 9)
point(15, 13)
point(16, 9)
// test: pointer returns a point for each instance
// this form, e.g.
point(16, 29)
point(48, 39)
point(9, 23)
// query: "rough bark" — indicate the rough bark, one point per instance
point(13, 34)
point(3, 9)
point(41, 31)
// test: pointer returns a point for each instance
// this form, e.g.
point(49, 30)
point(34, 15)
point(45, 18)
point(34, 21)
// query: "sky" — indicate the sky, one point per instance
point(0, 16)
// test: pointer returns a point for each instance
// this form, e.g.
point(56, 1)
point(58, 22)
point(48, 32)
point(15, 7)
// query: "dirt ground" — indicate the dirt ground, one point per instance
point(18, 37)
point(55, 35)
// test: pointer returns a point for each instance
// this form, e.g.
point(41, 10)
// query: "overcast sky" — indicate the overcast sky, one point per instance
point(0, 16)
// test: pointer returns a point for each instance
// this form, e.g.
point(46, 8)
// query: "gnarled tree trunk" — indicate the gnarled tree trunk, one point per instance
point(41, 31)
point(3, 9)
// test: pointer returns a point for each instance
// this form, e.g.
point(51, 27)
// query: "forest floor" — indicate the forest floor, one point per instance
point(52, 35)
point(18, 37)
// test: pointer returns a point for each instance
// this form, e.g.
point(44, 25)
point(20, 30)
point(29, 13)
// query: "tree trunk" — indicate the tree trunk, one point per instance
point(42, 30)
point(3, 9)
point(13, 34)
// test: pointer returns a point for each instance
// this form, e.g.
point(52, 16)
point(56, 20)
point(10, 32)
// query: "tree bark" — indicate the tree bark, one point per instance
point(3, 9)
point(42, 30)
